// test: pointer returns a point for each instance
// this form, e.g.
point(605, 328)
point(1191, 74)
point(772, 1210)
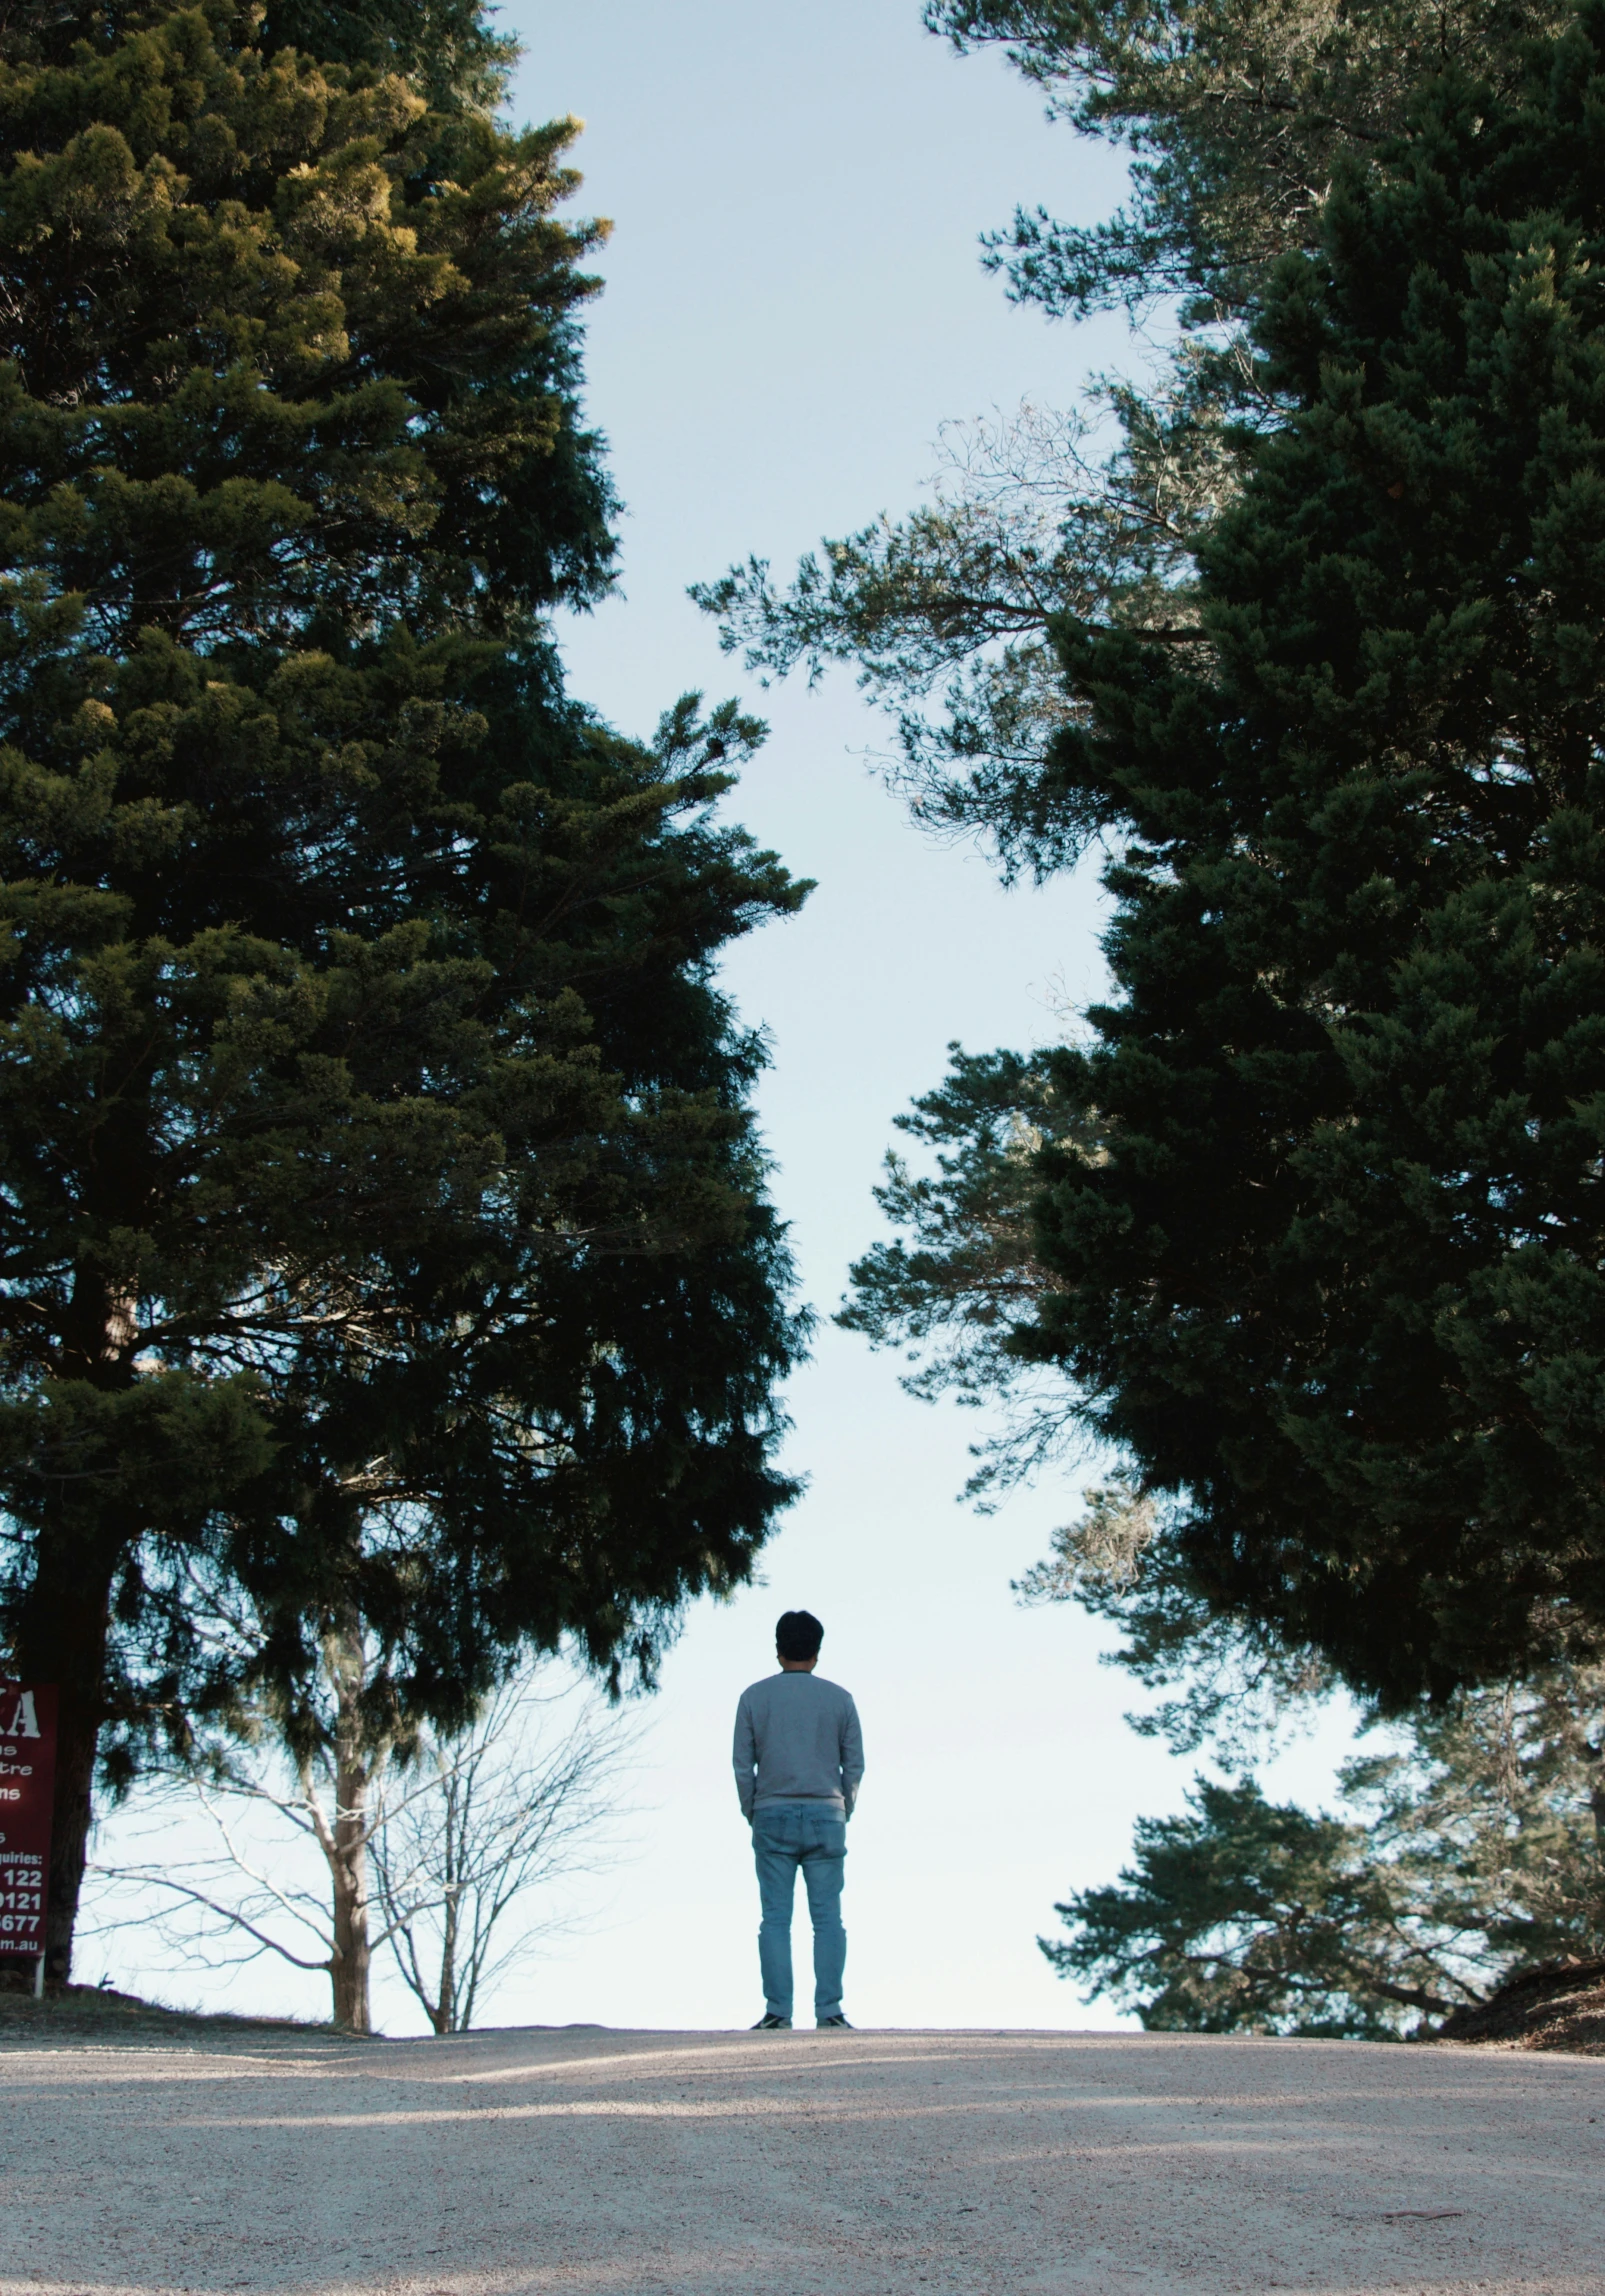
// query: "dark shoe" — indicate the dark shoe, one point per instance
point(769, 2024)
point(836, 2024)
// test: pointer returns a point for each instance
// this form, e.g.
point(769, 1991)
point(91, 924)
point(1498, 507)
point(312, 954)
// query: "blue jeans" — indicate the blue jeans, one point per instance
point(813, 1835)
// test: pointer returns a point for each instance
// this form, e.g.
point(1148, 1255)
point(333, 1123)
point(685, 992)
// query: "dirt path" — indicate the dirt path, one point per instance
point(663, 2164)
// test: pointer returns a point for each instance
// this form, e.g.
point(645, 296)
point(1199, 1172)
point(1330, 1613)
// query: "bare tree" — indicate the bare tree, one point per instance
point(321, 1774)
point(455, 1830)
point(491, 1815)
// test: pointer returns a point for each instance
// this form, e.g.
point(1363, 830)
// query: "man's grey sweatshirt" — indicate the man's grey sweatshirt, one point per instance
point(797, 1739)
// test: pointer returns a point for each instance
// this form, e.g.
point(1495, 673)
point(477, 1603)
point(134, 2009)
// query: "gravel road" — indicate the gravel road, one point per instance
point(525, 2163)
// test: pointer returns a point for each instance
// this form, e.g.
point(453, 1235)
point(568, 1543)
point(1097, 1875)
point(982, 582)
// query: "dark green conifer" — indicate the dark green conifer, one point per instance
point(1233, 112)
point(1470, 1851)
point(380, 1219)
point(1315, 1217)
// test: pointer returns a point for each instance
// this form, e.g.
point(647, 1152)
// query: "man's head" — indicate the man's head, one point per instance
point(798, 1635)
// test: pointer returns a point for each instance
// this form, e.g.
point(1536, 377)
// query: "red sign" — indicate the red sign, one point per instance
point(27, 1777)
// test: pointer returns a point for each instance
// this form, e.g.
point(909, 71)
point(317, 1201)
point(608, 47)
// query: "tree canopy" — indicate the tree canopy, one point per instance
point(448, 49)
point(382, 1220)
point(1469, 1849)
point(1235, 112)
point(1313, 1218)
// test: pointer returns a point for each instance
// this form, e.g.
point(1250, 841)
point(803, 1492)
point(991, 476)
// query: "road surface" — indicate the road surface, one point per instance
point(529, 2163)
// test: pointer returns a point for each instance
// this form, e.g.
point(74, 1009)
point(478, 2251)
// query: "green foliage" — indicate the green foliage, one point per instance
point(962, 1296)
point(1032, 521)
point(1317, 1223)
point(1233, 1683)
point(1342, 1244)
point(971, 1287)
point(1246, 1915)
point(446, 48)
point(381, 1221)
point(1474, 1850)
point(1235, 112)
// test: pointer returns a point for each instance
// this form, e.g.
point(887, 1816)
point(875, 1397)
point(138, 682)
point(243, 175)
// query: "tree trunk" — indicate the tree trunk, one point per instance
point(444, 2019)
point(61, 1638)
point(65, 1617)
point(350, 1966)
point(351, 1963)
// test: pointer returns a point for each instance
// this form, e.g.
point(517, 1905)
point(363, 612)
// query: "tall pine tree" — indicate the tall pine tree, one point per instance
point(1314, 1218)
point(382, 1225)
point(1233, 115)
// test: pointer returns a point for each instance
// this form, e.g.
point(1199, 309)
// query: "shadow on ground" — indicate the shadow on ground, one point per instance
point(211, 2157)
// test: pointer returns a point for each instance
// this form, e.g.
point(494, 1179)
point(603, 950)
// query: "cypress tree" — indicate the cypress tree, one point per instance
point(383, 1226)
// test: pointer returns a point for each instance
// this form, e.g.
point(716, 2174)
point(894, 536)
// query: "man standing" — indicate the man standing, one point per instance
point(799, 1756)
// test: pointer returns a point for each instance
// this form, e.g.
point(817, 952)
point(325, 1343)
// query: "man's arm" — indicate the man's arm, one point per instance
point(745, 1757)
point(852, 1755)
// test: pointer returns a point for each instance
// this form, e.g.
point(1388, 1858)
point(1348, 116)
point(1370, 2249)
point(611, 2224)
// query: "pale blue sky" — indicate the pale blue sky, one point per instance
point(794, 305)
